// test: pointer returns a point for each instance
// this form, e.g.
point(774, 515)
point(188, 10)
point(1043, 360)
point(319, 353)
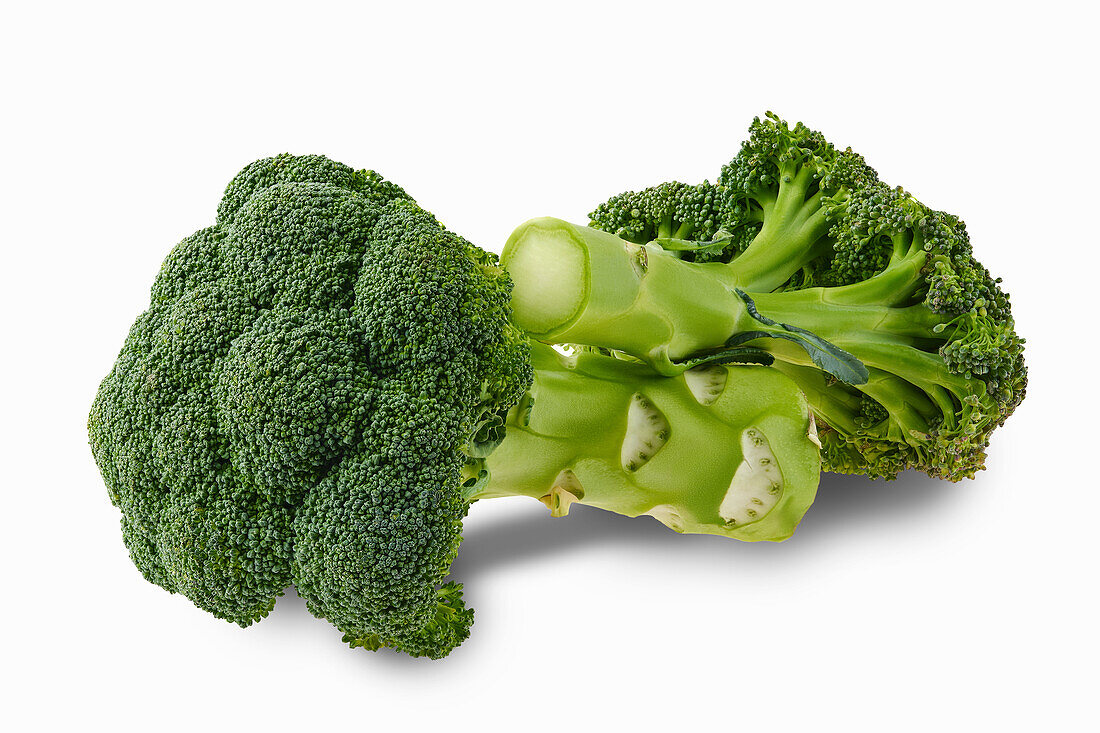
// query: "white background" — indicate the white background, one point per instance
point(911, 605)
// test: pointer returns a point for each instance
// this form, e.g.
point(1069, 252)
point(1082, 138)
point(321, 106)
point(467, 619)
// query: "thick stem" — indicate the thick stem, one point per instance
point(720, 450)
point(579, 285)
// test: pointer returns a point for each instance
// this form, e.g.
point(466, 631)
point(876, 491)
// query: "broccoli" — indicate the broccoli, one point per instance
point(869, 300)
point(320, 388)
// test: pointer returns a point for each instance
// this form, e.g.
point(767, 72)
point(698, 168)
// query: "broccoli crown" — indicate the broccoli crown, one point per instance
point(298, 402)
point(816, 240)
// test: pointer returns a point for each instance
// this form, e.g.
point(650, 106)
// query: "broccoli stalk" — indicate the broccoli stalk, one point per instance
point(609, 433)
point(870, 301)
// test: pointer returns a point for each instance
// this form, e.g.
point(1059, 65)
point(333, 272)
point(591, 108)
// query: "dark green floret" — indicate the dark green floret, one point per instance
point(298, 404)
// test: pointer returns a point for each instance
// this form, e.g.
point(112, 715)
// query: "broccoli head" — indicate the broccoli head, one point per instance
point(298, 403)
point(871, 301)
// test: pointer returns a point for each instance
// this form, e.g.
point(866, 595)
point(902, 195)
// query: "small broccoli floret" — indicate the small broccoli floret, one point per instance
point(869, 300)
point(668, 211)
point(777, 191)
